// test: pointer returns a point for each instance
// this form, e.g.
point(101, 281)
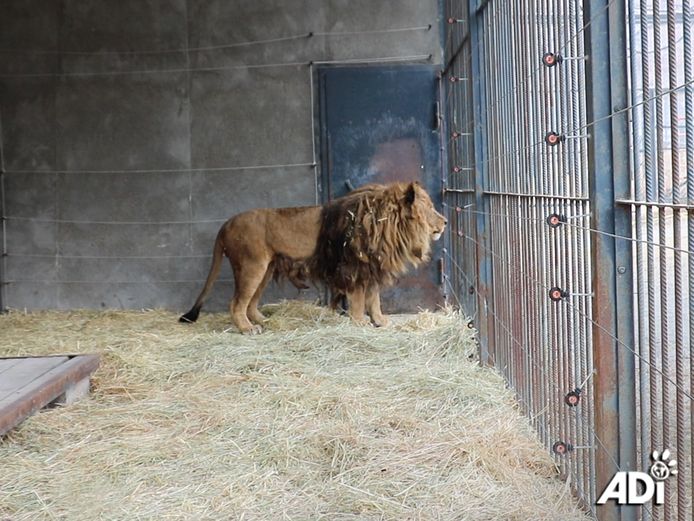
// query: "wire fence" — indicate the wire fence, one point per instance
point(570, 190)
point(662, 178)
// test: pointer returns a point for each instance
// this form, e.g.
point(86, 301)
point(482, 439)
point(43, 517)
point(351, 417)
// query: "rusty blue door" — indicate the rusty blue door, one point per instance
point(379, 124)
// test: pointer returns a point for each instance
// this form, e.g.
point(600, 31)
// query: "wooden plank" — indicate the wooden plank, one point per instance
point(24, 357)
point(8, 363)
point(17, 406)
point(27, 370)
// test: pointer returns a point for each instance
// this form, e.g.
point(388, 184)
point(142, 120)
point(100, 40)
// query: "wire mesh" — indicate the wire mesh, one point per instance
point(663, 173)
point(459, 184)
point(543, 348)
point(531, 130)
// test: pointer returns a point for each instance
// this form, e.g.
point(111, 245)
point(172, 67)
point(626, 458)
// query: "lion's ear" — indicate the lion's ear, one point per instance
point(409, 194)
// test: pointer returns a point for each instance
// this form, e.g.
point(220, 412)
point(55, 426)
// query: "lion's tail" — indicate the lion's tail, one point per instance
point(217, 257)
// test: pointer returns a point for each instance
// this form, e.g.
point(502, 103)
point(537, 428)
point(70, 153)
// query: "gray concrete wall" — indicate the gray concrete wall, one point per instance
point(117, 181)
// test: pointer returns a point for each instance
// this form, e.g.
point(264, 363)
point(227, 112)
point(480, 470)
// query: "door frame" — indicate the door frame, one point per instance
point(321, 138)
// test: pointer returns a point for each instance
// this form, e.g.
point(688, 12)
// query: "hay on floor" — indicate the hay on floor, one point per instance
point(314, 419)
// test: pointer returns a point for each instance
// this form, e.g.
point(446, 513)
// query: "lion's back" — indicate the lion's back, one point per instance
point(265, 232)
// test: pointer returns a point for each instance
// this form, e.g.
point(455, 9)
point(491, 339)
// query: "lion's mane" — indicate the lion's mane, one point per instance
point(371, 236)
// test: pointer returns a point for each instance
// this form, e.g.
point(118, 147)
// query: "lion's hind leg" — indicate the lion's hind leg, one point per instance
point(248, 277)
point(253, 313)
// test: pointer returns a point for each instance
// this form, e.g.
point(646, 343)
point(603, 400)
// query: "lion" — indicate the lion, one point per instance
point(371, 236)
point(259, 244)
point(305, 242)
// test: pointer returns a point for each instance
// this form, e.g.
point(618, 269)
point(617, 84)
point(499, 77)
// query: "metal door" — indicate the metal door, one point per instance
point(379, 124)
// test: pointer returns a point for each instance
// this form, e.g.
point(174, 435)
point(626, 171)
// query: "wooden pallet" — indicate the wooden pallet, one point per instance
point(28, 384)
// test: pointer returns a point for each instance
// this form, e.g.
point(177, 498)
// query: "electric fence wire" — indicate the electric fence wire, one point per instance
point(266, 41)
point(578, 226)
point(583, 315)
point(220, 68)
point(542, 370)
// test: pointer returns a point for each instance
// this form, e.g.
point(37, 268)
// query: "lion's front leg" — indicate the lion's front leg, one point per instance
point(356, 302)
point(373, 306)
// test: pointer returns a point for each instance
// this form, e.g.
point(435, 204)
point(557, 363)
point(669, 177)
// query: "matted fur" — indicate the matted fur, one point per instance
point(294, 271)
point(372, 235)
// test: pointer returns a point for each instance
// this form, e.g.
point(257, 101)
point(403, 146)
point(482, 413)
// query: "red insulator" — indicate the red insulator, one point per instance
point(573, 398)
point(555, 220)
point(561, 448)
point(552, 138)
point(557, 294)
point(550, 59)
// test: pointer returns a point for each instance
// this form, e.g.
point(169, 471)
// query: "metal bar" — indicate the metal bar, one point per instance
point(545, 110)
point(678, 197)
point(584, 462)
point(656, 204)
point(639, 213)
point(484, 265)
point(688, 30)
point(458, 191)
point(607, 154)
point(662, 233)
point(623, 250)
point(651, 195)
point(494, 147)
point(525, 331)
point(539, 196)
point(588, 408)
point(534, 128)
point(446, 127)
point(518, 125)
point(443, 159)
point(528, 102)
point(465, 101)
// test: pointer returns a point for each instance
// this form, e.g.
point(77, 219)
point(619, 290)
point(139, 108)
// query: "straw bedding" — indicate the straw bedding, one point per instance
point(314, 419)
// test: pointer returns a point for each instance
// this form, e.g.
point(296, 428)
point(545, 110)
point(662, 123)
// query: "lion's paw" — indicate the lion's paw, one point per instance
point(381, 321)
point(363, 321)
point(252, 330)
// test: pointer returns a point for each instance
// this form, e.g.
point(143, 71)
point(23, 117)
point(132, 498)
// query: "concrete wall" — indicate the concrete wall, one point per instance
point(116, 182)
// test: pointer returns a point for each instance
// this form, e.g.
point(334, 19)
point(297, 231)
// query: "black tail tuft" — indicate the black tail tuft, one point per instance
point(191, 316)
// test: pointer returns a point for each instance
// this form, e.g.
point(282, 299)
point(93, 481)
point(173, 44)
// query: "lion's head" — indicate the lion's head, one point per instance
point(374, 234)
point(421, 204)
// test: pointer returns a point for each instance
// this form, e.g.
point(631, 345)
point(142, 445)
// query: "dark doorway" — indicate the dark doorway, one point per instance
point(379, 124)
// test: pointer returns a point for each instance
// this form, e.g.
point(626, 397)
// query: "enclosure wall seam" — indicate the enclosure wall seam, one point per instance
point(313, 134)
point(3, 219)
point(189, 94)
